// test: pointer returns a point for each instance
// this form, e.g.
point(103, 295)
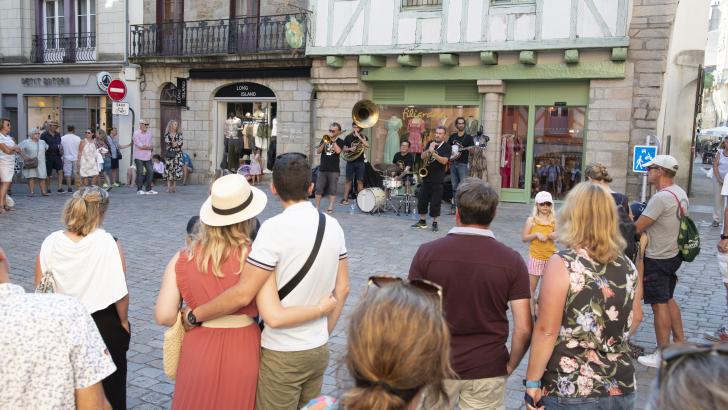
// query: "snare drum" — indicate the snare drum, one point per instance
point(371, 199)
point(391, 183)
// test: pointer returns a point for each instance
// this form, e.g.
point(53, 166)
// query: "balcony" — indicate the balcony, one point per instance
point(64, 48)
point(285, 33)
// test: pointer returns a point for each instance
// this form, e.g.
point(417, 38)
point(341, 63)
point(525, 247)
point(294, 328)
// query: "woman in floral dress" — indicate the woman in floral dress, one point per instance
point(173, 165)
point(579, 352)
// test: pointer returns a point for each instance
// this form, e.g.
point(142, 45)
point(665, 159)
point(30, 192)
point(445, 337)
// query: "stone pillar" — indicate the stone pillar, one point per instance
point(492, 117)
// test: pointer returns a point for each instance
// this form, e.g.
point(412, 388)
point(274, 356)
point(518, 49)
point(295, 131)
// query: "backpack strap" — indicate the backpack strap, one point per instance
point(682, 211)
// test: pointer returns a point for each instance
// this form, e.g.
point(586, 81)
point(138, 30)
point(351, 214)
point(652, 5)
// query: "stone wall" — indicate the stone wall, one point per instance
point(649, 32)
point(17, 26)
point(202, 124)
point(110, 32)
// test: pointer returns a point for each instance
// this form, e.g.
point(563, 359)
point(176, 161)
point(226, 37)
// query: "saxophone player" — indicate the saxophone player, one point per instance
point(354, 168)
point(434, 158)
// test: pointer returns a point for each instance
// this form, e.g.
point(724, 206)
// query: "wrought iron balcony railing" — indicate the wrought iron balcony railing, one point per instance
point(242, 35)
point(64, 48)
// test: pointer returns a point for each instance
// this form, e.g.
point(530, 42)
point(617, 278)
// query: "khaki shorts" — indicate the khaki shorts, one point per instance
point(289, 380)
point(480, 394)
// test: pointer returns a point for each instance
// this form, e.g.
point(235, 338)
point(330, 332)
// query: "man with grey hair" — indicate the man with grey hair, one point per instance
point(479, 277)
point(434, 160)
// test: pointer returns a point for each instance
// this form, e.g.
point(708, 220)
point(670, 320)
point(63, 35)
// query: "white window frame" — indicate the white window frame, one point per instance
point(506, 3)
point(57, 18)
point(88, 16)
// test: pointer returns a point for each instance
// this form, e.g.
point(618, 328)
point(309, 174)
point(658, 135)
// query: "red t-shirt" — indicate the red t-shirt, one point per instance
point(479, 275)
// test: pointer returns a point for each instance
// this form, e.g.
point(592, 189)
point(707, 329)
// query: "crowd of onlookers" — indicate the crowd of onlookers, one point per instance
point(252, 306)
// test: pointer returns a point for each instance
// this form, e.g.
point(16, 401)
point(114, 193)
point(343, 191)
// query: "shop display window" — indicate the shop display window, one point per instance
point(513, 144)
point(416, 124)
point(78, 110)
point(43, 109)
point(558, 149)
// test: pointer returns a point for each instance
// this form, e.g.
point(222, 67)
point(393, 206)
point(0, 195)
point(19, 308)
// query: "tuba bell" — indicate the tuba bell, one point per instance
point(365, 114)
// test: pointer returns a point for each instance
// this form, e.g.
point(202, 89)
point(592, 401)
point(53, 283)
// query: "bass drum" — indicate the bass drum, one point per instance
point(371, 199)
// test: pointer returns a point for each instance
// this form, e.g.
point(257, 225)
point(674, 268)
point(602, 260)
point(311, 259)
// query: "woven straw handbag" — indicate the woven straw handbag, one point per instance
point(173, 338)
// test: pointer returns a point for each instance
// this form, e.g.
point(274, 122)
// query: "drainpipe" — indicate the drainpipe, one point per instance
point(312, 121)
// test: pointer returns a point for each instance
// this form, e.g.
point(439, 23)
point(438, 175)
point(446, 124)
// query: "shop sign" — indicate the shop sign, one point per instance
point(412, 112)
point(103, 79)
point(181, 97)
point(245, 90)
point(45, 81)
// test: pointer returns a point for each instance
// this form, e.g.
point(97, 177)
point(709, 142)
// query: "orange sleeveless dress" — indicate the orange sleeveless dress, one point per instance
point(218, 368)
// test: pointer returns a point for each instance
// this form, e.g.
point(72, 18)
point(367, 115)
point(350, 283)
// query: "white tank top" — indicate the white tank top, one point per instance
point(722, 164)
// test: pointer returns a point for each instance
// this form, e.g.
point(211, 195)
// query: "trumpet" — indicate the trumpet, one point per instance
point(326, 139)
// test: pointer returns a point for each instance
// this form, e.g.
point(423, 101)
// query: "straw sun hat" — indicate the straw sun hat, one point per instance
point(232, 200)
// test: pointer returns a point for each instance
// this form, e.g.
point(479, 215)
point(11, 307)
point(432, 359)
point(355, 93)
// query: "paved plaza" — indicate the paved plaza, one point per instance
point(151, 229)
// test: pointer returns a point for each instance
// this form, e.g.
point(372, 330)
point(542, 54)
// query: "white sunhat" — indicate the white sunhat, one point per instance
point(544, 196)
point(664, 161)
point(232, 200)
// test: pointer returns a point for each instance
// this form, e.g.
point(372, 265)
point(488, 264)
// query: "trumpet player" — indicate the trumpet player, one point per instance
point(328, 175)
point(435, 159)
point(354, 168)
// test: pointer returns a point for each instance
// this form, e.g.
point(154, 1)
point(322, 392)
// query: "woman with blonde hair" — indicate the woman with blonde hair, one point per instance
point(398, 352)
point(579, 355)
point(219, 361)
point(88, 263)
point(173, 156)
point(87, 163)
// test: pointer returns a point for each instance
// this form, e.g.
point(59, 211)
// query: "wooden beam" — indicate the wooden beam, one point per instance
point(409, 60)
point(449, 59)
point(527, 57)
point(619, 54)
point(368, 60)
point(571, 56)
point(489, 57)
point(335, 61)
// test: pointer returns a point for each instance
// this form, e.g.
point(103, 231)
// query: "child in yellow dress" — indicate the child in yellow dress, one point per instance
point(540, 231)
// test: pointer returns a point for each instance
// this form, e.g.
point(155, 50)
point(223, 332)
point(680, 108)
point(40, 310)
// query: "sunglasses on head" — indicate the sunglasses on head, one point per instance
point(671, 356)
point(430, 288)
point(292, 153)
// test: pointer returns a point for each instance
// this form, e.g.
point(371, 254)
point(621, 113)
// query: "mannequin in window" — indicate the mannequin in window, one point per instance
point(505, 160)
point(233, 143)
point(471, 125)
point(391, 145)
point(415, 128)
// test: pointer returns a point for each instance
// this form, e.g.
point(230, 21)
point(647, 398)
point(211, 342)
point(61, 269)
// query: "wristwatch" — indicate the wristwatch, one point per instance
point(531, 384)
point(722, 237)
point(191, 319)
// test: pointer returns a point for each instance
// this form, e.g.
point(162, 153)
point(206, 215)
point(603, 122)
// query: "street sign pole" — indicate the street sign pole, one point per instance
point(643, 197)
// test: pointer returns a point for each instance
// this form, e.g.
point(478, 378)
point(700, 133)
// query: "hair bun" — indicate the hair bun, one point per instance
point(91, 196)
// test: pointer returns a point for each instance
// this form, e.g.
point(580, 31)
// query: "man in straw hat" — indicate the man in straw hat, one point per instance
point(293, 359)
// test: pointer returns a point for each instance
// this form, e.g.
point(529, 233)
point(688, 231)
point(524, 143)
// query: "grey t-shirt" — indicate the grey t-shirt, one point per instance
point(662, 208)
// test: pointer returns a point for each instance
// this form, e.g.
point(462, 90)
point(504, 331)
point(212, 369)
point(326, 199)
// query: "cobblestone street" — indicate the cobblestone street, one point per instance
point(151, 228)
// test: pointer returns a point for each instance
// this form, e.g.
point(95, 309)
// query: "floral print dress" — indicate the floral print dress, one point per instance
point(591, 357)
point(173, 166)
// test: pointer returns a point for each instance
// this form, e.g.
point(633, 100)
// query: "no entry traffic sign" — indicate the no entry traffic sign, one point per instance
point(117, 90)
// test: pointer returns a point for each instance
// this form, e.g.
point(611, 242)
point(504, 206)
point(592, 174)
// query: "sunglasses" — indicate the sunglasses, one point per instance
point(673, 355)
point(84, 192)
point(548, 204)
point(332, 131)
point(429, 288)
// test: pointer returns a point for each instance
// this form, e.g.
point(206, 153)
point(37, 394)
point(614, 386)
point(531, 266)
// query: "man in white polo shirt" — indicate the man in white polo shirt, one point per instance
point(294, 358)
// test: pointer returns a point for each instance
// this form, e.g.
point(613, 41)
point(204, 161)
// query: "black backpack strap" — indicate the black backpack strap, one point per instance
point(288, 287)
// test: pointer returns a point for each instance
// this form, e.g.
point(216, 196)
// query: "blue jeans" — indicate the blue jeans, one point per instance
point(458, 172)
point(625, 402)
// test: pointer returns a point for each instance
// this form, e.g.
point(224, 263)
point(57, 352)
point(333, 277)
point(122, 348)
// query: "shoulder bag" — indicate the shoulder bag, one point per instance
point(47, 282)
point(32, 163)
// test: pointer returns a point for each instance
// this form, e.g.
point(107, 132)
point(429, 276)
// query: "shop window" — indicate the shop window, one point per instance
point(513, 144)
point(416, 124)
point(41, 110)
point(558, 149)
point(409, 4)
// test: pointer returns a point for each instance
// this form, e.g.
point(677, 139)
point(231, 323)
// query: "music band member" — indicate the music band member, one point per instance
point(435, 158)
point(405, 162)
point(460, 155)
point(328, 174)
point(354, 168)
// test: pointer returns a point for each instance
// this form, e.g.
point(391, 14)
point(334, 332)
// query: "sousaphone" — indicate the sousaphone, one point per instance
point(365, 115)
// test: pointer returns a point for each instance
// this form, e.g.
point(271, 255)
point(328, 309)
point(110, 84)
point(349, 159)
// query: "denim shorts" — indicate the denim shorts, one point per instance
point(625, 402)
point(660, 279)
point(355, 168)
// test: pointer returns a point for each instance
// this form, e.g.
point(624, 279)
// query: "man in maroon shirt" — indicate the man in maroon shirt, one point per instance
point(479, 277)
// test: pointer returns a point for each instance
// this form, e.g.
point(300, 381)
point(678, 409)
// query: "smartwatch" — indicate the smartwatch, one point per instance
point(722, 237)
point(192, 320)
point(531, 384)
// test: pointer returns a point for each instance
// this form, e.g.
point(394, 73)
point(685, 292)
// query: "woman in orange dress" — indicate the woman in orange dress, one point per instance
point(218, 366)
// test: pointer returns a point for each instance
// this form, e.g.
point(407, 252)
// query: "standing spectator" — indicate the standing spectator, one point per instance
point(187, 167)
point(459, 166)
point(70, 143)
point(34, 147)
point(540, 231)
point(721, 334)
point(720, 168)
point(579, 356)
point(54, 155)
point(87, 164)
point(293, 359)
point(143, 159)
point(397, 350)
point(101, 140)
point(479, 277)
point(328, 175)
point(661, 221)
point(173, 165)
point(88, 263)
point(60, 370)
point(218, 366)
point(8, 149)
point(112, 141)
point(255, 168)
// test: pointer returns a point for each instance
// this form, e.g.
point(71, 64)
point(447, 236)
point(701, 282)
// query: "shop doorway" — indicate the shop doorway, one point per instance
point(246, 124)
point(168, 111)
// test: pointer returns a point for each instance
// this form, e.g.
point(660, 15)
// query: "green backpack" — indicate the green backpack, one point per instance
point(688, 239)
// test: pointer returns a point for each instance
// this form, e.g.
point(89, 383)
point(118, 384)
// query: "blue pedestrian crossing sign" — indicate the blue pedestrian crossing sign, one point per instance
point(642, 155)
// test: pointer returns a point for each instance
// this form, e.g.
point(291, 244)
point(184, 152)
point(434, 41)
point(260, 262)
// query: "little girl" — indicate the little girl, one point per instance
point(540, 231)
point(255, 168)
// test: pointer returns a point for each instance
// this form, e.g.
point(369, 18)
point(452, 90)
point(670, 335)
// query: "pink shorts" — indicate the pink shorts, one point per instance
point(535, 266)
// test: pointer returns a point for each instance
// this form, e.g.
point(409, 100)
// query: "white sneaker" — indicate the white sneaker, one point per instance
point(140, 192)
point(152, 192)
point(650, 360)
